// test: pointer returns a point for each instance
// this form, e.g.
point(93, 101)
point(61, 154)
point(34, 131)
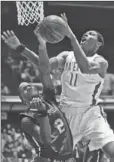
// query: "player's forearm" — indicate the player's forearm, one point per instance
point(31, 56)
point(44, 64)
point(79, 54)
point(45, 130)
point(34, 58)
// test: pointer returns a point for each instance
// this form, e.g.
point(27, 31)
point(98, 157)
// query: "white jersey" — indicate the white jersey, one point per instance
point(78, 89)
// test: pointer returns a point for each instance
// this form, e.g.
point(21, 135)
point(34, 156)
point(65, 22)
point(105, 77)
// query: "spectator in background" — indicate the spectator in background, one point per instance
point(4, 89)
point(108, 88)
point(14, 145)
point(25, 76)
point(28, 72)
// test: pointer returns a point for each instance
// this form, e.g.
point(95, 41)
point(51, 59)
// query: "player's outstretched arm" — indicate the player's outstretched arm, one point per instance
point(14, 43)
point(37, 106)
point(99, 66)
point(44, 64)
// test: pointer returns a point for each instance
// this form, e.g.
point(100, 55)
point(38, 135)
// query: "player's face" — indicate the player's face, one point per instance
point(89, 41)
point(28, 91)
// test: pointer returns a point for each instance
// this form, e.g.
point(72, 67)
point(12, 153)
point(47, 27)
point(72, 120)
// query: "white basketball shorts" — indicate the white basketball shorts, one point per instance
point(89, 124)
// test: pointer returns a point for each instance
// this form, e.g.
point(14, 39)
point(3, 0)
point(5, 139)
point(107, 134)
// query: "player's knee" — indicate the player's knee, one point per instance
point(109, 149)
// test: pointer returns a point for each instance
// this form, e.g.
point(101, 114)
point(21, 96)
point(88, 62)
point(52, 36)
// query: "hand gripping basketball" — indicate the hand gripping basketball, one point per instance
point(69, 32)
point(10, 39)
point(52, 29)
point(39, 38)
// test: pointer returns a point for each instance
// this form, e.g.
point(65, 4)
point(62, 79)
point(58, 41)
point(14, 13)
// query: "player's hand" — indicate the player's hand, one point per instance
point(10, 39)
point(39, 38)
point(37, 105)
point(69, 32)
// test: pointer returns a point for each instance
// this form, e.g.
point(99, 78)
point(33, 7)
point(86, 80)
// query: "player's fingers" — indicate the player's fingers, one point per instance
point(64, 14)
point(64, 17)
point(3, 38)
point(5, 35)
point(31, 104)
point(8, 33)
point(12, 33)
point(36, 102)
point(40, 103)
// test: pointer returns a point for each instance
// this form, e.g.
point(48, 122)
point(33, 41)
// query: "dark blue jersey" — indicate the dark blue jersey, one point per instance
point(61, 139)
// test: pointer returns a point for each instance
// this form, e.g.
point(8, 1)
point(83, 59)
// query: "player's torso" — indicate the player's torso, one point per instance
point(61, 139)
point(78, 89)
point(61, 135)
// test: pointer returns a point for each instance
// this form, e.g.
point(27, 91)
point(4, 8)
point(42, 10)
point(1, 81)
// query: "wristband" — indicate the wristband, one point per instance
point(42, 114)
point(20, 48)
point(39, 113)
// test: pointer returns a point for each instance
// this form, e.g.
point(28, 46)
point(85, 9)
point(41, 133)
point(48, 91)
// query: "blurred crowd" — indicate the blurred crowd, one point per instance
point(14, 72)
point(14, 146)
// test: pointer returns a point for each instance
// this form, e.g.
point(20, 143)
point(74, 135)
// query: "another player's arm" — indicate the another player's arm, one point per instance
point(32, 130)
point(44, 66)
point(99, 65)
point(13, 42)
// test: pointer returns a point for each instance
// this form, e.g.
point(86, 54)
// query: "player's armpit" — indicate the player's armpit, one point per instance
point(59, 60)
point(98, 66)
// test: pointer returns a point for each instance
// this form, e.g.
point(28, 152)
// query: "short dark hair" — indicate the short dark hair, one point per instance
point(100, 38)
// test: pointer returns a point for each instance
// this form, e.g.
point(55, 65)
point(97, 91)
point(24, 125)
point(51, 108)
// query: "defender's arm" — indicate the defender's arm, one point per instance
point(14, 43)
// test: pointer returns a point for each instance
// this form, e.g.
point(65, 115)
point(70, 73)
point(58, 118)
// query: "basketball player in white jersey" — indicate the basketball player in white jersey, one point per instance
point(82, 81)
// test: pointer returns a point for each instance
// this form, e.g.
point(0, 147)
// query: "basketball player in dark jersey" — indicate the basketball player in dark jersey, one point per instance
point(54, 137)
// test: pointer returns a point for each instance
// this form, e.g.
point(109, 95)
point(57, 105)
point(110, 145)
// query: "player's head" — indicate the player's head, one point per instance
point(27, 92)
point(91, 41)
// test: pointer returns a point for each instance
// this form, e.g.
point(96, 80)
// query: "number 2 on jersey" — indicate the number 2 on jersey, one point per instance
point(73, 79)
point(59, 125)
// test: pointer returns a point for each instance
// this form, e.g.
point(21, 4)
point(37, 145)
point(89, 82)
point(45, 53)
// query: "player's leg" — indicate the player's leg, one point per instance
point(98, 131)
point(74, 121)
point(109, 150)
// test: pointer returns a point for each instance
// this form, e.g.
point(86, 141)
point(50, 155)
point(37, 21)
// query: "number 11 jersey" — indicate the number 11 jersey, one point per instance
point(79, 89)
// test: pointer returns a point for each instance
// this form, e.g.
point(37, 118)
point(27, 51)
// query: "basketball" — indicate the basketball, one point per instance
point(52, 29)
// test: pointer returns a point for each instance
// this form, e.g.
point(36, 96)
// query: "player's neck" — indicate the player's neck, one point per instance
point(89, 53)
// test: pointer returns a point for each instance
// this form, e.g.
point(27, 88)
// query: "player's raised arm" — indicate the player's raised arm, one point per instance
point(44, 64)
point(14, 43)
point(90, 67)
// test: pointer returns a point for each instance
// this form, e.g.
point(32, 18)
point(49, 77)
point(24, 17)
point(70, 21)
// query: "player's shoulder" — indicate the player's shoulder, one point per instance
point(97, 57)
point(101, 60)
point(64, 54)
